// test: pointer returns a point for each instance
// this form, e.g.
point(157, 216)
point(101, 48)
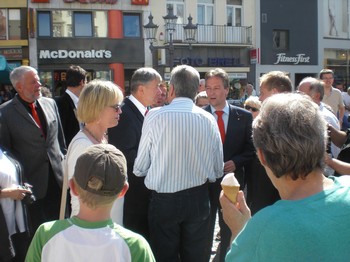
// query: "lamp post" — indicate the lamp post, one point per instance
point(170, 24)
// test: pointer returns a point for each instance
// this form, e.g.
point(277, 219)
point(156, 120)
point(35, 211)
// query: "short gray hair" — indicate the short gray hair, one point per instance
point(292, 135)
point(19, 72)
point(142, 76)
point(185, 80)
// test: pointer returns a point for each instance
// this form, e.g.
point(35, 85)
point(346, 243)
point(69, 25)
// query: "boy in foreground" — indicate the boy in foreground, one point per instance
point(100, 177)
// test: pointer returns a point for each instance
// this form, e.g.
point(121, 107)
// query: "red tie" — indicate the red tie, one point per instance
point(35, 116)
point(221, 125)
point(146, 111)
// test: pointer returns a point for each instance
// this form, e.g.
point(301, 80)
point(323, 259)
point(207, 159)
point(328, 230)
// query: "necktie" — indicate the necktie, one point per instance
point(146, 111)
point(221, 125)
point(36, 116)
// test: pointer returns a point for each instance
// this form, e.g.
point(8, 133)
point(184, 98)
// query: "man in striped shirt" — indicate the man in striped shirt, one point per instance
point(180, 152)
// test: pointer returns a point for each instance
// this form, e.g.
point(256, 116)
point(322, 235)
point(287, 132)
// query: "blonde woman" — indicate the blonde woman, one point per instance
point(253, 105)
point(98, 110)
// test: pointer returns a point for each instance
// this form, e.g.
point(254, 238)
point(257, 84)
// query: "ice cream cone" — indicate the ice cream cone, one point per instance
point(230, 186)
point(231, 192)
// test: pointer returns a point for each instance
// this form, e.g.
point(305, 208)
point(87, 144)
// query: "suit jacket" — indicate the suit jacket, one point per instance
point(126, 137)
point(69, 121)
point(238, 145)
point(20, 134)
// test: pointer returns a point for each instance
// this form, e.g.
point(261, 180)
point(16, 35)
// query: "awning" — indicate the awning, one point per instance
point(5, 70)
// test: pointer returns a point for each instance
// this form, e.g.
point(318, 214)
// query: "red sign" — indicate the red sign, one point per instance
point(40, 1)
point(139, 2)
point(255, 56)
point(92, 1)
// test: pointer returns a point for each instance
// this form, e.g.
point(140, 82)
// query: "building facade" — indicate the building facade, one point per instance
point(14, 47)
point(225, 37)
point(103, 37)
point(245, 37)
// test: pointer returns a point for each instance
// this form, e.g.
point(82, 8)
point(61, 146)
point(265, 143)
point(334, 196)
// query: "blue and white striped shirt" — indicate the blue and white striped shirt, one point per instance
point(180, 148)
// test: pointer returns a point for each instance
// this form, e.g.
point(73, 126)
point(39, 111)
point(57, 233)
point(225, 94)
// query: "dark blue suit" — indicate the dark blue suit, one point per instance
point(239, 148)
point(67, 110)
point(126, 137)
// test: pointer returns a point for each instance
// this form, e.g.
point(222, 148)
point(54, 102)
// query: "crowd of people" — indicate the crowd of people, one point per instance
point(93, 175)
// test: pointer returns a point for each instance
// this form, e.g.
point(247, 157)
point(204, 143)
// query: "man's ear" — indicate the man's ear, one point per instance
point(123, 191)
point(171, 93)
point(261, 157)
point(72, 187)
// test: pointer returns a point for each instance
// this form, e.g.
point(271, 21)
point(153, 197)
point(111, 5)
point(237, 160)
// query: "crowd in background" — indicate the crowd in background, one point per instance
point(171, 144)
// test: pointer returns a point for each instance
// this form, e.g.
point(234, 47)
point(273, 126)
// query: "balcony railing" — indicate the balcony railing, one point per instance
point(216, 34)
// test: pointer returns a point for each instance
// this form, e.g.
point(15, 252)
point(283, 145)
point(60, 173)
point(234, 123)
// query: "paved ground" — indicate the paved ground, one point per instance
point(215, 242)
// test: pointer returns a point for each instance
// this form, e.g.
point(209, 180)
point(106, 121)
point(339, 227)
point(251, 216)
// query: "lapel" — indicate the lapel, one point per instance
point(234, 118)
point(19, 107)
point(44, 106)
point(71, 105)
point(134, 109)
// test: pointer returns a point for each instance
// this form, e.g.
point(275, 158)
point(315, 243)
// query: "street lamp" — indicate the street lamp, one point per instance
point(170, 24)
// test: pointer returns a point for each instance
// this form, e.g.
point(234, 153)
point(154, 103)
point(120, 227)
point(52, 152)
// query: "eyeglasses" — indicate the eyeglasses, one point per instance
point(251, 108)
point(116, 107)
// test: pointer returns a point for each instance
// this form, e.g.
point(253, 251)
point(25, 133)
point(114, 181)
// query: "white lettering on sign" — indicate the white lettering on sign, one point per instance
point(298, 59)
point(62, 54)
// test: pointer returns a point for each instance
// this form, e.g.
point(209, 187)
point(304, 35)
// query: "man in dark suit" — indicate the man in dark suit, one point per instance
point(30, 128)
point(68, 102)
point(144, 88)
point(237, 141)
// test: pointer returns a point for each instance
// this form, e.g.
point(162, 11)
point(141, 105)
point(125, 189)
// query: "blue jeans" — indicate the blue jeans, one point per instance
point(179, 224)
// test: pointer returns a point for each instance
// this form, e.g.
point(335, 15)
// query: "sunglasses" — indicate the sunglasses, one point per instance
point(116, 107)
point(251, 108)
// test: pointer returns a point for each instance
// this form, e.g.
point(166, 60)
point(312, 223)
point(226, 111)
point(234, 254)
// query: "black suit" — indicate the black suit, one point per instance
point(239, 148)
point(68, 117)
point(126, 137)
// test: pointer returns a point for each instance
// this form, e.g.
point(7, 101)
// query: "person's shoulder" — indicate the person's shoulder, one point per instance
point(139, 248)
point(127, 234)
point(49, 229)
point(343, 180)
point(47, 101)
point(336, 91)
point(7, 104)
point(64, 98)
point(239, 111)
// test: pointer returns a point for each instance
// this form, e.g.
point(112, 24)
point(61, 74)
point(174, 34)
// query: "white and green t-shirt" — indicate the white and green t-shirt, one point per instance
point(74, 239)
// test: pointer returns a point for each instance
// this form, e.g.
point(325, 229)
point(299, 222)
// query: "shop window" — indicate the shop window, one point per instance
point(205, 12)
point(3, 24)
point(178, 9)
point(101, 24)
point(104, 75)
point(10, 24)
point(83, 24)
point(280, 39)
point(14, 24)
point(61, 23)
point(64, 23)
point(44, 22)
point(131, 25)
point(234, 12)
